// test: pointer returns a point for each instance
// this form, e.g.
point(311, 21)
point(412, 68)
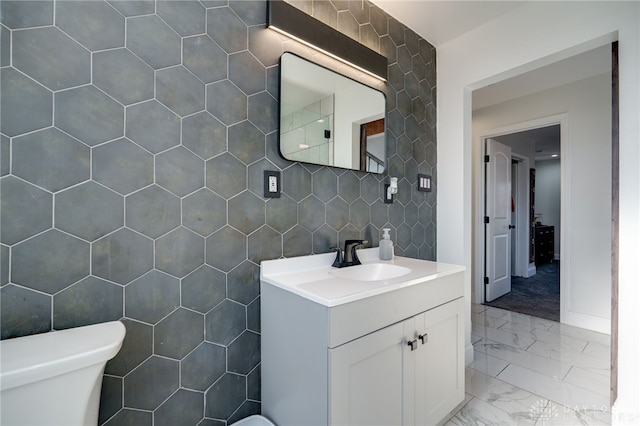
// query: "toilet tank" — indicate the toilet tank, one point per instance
point(55, 378)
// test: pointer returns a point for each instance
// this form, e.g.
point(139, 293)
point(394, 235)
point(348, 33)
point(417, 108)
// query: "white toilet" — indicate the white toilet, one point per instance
point(55, 378)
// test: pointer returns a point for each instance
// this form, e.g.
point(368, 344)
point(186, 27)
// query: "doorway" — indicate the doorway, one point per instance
point(534, 204)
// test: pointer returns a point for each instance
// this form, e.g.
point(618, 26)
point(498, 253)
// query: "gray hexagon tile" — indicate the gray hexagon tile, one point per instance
point(23, 312)
point(204, 58)
point(24, 105)
point(225, 396)
point(325, 184)
point(297, 242)
point(204, 135)
point(311, 213)
point(203, 289)
point(89, 114)
point(152, 297)
point(244, 283)
point(264, 244)
point(49, 262)
point(134, 8)
point(153, 41)
point(226, 176)
point(337, 213)
point(50, 159)
point(151, 383)
point(179, 171)
point(246, 72)
point(226, 249)
point(90, 301)
point(4, 265)
point(122, 166)
point(246, 142)
point(51, 57)
point(128, 416)
point(185, 17)
point(262, 111)
point(122, 75)
point(179, 252)
point(204, 212)
point(324, 239)
point(179, 90)
point(122, 256)
point(282, 213)
point(225, 322)
point(152, 211)
point(110, 398)
point(226, 102)
point(183, 407)
point(153, 126)
point(244, 353)
point(20, 14)
point(246, 212)
point(202, 367)
point(296, 181)
point(96, 25)
point(26, 210)
point(89, 211)
point(5, 155)
point(226, 29)
point(178, 334)
point(137, 347)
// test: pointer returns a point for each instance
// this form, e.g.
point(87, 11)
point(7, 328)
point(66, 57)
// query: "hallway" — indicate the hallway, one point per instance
point(534, 371)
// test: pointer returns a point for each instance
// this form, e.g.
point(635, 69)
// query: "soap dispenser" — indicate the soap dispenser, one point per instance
point(386, 246)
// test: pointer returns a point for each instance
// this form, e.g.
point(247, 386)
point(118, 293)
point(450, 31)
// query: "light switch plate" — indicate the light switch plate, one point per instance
point(424, 183)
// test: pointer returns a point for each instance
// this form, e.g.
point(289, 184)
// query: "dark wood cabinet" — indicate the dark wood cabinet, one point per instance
point(545, 244)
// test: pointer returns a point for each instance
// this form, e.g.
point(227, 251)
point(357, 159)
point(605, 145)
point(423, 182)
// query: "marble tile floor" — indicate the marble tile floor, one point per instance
point(533, 371)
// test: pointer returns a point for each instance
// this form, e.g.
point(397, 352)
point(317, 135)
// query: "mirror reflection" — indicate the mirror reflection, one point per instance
point(329, 119)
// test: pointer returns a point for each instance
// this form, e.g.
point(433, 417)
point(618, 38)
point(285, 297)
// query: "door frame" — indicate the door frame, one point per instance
point(478, 211)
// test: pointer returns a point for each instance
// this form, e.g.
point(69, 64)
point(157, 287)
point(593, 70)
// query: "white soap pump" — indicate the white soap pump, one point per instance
point(386, 246)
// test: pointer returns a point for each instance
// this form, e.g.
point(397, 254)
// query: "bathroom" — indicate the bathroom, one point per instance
point(135, 241)
point(145, 202)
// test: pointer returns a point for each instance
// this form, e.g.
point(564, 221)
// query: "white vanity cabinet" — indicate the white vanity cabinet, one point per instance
point(408, 373)
point(358, 358)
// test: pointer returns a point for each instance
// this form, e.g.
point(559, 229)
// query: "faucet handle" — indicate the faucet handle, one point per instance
point(337, 263)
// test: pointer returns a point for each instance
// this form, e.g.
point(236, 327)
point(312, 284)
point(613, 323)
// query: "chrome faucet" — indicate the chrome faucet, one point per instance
point(350, 255)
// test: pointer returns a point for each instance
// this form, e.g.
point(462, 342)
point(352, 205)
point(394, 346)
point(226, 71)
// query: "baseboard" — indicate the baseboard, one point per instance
point(590, 322)
point(531, 270)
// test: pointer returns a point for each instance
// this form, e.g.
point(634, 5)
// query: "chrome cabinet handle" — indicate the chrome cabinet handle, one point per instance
point(413, 344)
point(424, 338)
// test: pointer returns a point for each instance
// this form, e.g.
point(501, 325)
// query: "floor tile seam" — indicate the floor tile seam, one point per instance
point(605, 392)
point(562, 383)
point(577, 357)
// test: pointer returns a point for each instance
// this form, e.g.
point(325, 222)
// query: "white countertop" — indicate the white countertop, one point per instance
point(311, 278)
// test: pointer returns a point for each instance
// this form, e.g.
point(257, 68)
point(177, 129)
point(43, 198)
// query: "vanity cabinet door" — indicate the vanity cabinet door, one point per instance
point(439, 362)
point(367, 379)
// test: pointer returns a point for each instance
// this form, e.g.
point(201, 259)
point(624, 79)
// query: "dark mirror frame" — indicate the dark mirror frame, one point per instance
point(364, 149)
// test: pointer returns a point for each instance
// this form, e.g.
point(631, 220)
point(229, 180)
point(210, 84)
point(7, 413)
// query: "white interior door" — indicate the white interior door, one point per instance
point(498, 216)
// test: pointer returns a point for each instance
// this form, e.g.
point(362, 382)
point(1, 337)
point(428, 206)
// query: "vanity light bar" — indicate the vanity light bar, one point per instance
point(296, 24)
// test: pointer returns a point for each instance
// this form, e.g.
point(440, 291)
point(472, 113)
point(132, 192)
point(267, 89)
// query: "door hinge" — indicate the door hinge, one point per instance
point(486, 158)
point(486, 219)
point(486, 280)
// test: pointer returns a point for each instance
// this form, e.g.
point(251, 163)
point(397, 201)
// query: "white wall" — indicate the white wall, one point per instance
point(548, 201)
point(586, 252)
point(533, 35)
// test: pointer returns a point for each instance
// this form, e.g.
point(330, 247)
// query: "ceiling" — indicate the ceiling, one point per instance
point(440, 21)
point(546, 141)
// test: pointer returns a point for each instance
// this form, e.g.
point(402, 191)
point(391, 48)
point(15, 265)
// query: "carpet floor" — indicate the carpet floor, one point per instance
point(538, 295)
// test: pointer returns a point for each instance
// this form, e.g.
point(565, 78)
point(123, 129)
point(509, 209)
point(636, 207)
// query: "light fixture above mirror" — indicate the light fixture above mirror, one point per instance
point(294, 23)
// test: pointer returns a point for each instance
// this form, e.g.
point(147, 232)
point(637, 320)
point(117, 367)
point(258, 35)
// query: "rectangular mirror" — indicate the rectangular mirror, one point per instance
point(329, 119)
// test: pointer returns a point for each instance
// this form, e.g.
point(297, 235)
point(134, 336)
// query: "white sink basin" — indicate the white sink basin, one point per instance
point(370, 272)
point(313, 277)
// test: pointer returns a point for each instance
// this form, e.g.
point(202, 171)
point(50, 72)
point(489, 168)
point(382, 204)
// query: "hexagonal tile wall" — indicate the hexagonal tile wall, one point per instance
point(133, 141)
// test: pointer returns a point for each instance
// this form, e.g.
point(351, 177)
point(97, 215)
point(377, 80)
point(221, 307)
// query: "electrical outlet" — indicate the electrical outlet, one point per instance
point(272, 184)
